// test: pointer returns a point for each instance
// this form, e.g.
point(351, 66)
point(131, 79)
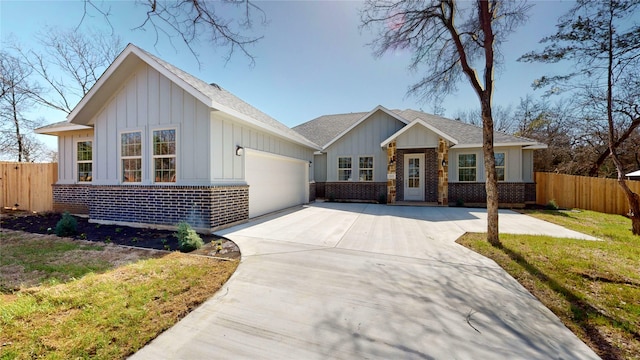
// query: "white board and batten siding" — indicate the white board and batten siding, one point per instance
point(514, 159)
point(67, 153)
point(417, 137)
point(364, 140)
point(149, 101)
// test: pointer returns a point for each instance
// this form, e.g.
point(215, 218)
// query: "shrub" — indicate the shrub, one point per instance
point(551, 205)
point(459, 202)
point(382, 198)
point(67, 226)
point(188, 239)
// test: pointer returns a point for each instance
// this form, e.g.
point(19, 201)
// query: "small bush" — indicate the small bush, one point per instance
point(459, 202)
point(188, 239)
point(67, 226)
point(382, 198)
point(551, 205)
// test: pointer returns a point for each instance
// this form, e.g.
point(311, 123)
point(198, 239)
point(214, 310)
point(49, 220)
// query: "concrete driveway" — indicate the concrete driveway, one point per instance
point(362, 281)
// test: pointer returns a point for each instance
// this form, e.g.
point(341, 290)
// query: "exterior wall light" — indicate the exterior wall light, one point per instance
point(444, 162)
point(239, 150)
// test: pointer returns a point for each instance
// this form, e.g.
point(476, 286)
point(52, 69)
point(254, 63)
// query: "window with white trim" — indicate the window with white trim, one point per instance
point(164, 155)
point(84, 160)
point(344, 168)
point(365, 168)
point(467, 167)
point(500, 166)
point(131, 156)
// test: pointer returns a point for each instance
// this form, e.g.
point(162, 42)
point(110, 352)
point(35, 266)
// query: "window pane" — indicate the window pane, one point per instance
point(131, 170)
point(499, 159)
point(467, 174)
point(344, 163)
point(500, 173)
point(84, 151)
point(165, 169)
point(131, 144)
point(84, 171)
point(164, 142)
point(344, 175)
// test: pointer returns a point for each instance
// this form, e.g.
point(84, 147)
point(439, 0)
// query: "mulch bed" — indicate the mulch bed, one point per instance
point(45, 223)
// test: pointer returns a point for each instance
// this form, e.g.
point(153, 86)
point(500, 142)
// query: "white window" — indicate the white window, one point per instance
point(84, 160)
point(344, 168)
point(131, 156)
point(467, 167)
point(500, 166)
point(164, 155)
point(365, 168)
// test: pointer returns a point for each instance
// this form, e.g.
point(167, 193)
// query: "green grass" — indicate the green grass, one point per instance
point(108, 315)
point(592, 286)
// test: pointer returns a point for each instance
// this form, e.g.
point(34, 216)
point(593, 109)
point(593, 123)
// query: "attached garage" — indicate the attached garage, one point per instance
point(275, 182)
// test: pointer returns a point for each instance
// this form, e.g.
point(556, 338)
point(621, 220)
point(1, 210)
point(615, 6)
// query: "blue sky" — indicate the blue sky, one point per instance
point(313, 59)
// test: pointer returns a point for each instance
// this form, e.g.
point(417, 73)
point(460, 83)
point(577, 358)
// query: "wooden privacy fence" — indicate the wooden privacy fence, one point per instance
point(27, 186)
point(589, 193)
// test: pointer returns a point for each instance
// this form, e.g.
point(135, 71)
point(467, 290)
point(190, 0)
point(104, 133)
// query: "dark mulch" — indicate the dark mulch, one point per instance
point(45, 223)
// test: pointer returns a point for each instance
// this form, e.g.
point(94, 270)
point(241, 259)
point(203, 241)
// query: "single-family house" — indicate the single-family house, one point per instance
point(151, 144)
point(408, 155)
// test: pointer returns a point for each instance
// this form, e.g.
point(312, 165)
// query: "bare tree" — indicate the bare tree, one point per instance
point(16, 138)
point(195, 20)
point(503, 119)
point(451, 39)
point(600, 39)
point(69, 65)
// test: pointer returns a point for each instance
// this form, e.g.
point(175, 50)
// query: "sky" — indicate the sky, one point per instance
point(313, 58)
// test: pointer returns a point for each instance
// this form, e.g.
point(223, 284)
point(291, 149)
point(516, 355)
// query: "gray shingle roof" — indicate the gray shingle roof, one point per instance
point(224, 97)
point(324, 129)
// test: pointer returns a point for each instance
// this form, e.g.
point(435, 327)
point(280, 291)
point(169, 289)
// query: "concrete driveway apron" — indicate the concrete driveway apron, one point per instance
point(363, 281)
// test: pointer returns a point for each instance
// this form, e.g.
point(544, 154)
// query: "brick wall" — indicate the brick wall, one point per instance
point(203, 207)
point(320, 190)
point(430, 173)
point(72, 198)
point(312, 191)
point(508, 193)
point(354, 190)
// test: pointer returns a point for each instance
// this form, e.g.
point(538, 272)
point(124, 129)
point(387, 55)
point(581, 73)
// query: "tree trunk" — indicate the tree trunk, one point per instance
point(491, 182)
point(16, 123)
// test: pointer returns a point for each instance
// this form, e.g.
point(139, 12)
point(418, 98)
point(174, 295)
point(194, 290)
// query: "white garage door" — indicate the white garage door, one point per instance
point(275, 182)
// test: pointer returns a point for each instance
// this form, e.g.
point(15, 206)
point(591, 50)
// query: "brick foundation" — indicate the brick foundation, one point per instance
point(72, 198)
point(312, 191)
point(203, 207)
point(353, 190)
point(320, 190)
point(508, 193)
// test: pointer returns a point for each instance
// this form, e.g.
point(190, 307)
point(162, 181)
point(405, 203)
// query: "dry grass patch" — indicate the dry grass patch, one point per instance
point(108, 315)
point(592, 286)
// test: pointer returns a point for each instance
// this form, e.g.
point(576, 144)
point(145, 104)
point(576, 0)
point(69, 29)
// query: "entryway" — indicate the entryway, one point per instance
point(414, 177)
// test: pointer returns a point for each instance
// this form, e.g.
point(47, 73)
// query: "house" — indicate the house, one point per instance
point(393, 156)
point(151, 144)
point(634, 175)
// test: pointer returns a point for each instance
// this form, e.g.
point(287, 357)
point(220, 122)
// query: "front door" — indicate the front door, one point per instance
point(414, 177)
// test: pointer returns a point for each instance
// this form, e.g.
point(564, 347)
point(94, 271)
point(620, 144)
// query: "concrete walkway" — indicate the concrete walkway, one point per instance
point(361, 281)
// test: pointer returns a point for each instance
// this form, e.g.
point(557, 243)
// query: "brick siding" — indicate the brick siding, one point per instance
point(312, 191)
point(508, 193)
point(320, 190)
point(72, 198)
point(430, 173)
point(203, 207)
point(355, 190)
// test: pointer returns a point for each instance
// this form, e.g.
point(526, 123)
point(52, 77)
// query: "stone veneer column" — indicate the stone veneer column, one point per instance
point(391, 172)
point(443, 172)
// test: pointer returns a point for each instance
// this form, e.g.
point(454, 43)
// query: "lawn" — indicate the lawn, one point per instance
point(592, 286)
point(64, 298)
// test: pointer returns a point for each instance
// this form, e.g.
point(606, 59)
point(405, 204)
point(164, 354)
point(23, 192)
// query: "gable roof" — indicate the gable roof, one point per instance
point(213, 96)
point(60, 126)
point(417, 122)
point(325, 130)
